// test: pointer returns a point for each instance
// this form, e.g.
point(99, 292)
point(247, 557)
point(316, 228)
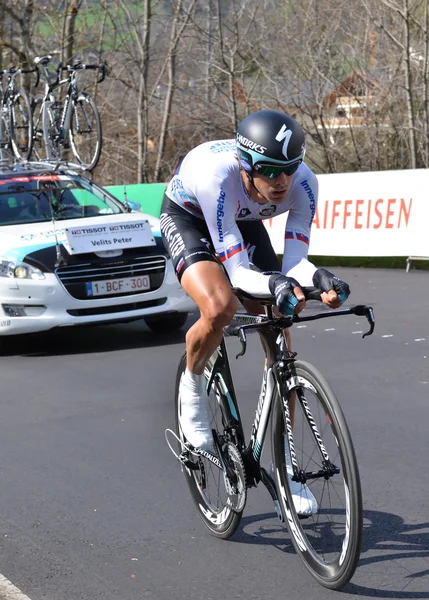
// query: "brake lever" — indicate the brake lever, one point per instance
point(362, 310)
point(243, 340)
point(371, 321)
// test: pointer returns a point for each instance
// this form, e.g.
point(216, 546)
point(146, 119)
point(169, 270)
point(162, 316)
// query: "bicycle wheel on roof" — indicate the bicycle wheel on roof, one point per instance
point(21, 125)
point(85, 131)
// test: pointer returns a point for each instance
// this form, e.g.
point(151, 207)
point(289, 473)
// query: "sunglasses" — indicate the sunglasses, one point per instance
point(273, 171)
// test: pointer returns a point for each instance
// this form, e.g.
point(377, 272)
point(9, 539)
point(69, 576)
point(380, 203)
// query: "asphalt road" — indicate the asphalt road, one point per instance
point(93, 504)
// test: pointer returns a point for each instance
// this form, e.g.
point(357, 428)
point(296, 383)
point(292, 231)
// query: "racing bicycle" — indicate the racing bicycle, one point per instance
point(16, 125)
point(310, 444)
point(73, 124)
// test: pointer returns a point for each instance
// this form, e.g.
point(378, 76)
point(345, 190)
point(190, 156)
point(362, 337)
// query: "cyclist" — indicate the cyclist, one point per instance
point(211, 223)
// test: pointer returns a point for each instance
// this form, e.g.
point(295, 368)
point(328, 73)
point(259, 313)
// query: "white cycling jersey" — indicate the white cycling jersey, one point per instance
point(208, 185)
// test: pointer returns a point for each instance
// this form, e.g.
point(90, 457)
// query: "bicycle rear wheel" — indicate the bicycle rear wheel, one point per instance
point(205, 480)
point(21, 122)
point(85, 132)
point(329, 541)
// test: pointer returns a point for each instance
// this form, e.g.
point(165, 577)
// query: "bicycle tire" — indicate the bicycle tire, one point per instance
point(5, 133)
point(328, 542)
point(51, 126)
point(21, 125)
point(38, 150)
point(213, 509)
point(85, 132)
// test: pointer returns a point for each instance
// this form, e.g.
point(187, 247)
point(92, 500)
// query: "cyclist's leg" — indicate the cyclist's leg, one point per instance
point(204, 280)
point(206, 283)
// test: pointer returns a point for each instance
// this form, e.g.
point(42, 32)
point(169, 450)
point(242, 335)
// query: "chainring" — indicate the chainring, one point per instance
point(236, 490)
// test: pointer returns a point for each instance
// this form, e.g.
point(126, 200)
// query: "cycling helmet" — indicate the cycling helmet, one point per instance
point(270, 138)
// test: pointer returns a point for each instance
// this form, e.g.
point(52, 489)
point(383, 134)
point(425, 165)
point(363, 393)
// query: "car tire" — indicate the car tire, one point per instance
point(167, 322)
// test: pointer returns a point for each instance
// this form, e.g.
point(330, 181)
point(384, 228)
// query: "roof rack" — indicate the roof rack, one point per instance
point(21, 166)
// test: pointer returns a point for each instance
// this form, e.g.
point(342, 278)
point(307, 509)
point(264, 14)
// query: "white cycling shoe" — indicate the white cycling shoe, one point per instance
point(304, 501)
point(194, 416)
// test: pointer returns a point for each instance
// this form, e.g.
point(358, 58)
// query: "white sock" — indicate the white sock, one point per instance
point(195, 383)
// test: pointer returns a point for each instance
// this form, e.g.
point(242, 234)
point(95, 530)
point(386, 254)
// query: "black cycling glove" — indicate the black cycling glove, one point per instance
point(326, 281)
point(282, 288)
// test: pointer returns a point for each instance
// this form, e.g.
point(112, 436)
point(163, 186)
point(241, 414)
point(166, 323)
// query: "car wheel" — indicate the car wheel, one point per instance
point(165, 323)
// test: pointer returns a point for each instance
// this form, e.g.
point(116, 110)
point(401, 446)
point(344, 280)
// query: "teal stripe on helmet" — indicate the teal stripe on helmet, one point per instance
point(257, 157)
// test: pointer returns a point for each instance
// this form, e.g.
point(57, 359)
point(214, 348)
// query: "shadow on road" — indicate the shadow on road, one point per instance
point(386, 539)
point(87, 340)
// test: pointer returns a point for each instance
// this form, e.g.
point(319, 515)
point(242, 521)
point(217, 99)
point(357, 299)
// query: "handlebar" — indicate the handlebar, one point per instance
point(15, 71)
point(310, 293)
point(79, 66)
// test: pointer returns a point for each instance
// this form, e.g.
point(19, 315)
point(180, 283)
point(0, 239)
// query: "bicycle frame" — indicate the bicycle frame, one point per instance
point(7, 98)
point(278, 368)
point(63, 124)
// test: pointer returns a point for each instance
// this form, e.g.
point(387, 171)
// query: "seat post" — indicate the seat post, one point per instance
point(269, 311)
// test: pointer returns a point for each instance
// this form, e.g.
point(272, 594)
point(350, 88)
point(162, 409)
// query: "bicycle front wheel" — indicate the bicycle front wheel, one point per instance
point(21, 126)
point(205, 480)
point(328, 541)
point(85, 132)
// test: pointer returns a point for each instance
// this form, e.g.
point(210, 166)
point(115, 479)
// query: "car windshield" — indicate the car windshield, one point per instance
point(39, 198)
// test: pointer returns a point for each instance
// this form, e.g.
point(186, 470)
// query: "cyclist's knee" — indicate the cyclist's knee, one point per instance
point(219, 310)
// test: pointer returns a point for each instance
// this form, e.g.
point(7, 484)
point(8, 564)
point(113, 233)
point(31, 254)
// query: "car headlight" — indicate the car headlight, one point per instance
point(19, 270)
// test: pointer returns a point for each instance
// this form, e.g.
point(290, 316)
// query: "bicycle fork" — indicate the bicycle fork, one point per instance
point(287, 387)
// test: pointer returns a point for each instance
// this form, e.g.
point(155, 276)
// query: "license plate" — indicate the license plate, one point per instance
point(118, 286)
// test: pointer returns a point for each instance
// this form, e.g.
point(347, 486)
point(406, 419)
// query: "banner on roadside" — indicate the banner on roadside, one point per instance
point(384, 213)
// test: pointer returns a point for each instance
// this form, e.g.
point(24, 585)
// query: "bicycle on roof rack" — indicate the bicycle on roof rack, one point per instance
point(310, 446)
point(73, 124)
point(16, 125)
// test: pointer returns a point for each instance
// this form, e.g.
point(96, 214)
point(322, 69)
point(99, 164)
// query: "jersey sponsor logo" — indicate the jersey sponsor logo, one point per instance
point(243, 213)
point(234, 249)
point(267, 212)
point(174, 240)
point(220, 213)
point(311, 197)
point(244, 141)
point(206, 243)
point(284, 134)
point(176, 187)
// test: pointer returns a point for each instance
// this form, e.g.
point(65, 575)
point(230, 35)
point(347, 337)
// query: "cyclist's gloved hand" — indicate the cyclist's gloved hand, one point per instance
point(282, 288)
point(326, 281)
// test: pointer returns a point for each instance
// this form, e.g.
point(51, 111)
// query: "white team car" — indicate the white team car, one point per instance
point(72, 254)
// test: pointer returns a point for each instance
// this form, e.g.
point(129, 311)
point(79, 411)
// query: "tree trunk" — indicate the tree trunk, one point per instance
point(409, 88)
point(174, 40)
point(69, 30)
